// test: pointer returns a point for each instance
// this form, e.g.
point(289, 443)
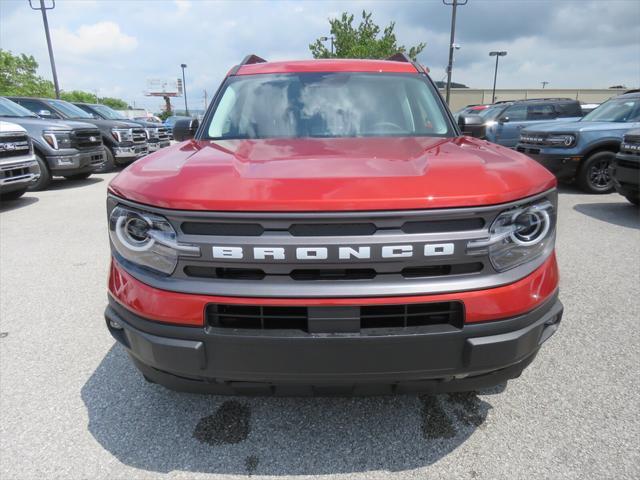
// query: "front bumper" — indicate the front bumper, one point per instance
point(18, 174)
point(155, 146)
point(76, 163)
point(625, 171)
point(563, 165)
point(434, 358)
point(130, 152)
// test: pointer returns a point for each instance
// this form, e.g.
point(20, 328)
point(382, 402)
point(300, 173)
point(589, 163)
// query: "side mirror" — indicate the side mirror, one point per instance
point(472, 125)
point(185, 129)
point(504, 119)
point(46, 114)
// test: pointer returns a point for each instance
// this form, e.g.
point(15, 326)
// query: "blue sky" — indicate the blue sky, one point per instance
point(114, 46)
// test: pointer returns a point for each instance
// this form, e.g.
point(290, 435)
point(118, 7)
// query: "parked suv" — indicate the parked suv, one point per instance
point(62, 148)
point(625, 169)
point(124, 141)
point(584, 150)
point(505, 120)
point(328, 229)
point(157, 135)
point(18, 166)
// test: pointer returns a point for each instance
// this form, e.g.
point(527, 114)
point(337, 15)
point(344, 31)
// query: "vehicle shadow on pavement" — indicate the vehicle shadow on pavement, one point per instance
point(148, 427)
point(623, 213)
point(8, 205)
point(62, 184)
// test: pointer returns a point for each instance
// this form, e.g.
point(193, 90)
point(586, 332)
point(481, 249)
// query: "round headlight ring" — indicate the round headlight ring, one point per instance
point(539, 222)
point(133, 232)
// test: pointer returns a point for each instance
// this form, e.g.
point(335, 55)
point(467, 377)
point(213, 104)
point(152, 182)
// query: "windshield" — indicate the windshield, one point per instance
point(12, 109)
point(322, 105)
point(68, 109)
point(616, 110)
point(107, 112)
point(491, 113)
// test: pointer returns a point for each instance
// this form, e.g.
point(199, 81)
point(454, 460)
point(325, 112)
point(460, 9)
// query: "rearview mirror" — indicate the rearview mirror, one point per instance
point(472, 125)
point(185, 129)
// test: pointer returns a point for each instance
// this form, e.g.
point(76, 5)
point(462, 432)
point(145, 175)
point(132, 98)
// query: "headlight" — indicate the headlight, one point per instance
point(519, 235)
point(122, 134)
point(563, 140)
point(151, 133)
point(57, 140)
point(147, 240)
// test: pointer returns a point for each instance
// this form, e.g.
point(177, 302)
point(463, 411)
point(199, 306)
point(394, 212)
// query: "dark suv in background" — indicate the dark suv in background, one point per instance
point(625, 169)
point(62, 148)
point(504, 120)
point(125, 141)
point(157, 134)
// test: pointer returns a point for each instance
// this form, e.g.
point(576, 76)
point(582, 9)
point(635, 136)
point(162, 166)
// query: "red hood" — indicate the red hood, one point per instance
point(331, 174)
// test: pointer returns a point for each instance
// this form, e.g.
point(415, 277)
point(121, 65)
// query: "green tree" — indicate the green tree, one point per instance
point(18, 76)
point(78, 96)
point(362, 41)
point(115, 103)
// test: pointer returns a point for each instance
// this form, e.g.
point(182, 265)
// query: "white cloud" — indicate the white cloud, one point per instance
point(183, 6)
point(101, 37)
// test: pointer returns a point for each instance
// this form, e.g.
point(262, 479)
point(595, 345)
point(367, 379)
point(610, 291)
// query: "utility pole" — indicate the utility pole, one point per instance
point(324, 39)
point(44, 9)
point(454, 4)
point(184, 89)
point(496, 54)
point(205, 99)
point(544, 84)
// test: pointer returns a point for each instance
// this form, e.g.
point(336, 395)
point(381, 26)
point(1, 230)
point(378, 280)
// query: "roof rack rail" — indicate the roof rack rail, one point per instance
point(403, 57)
point(248, 60)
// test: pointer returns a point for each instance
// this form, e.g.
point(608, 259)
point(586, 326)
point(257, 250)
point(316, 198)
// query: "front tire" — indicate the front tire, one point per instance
point(45, 176)
point(78, 176)
point(594, 175)
point(16, 194)
point(109, 162)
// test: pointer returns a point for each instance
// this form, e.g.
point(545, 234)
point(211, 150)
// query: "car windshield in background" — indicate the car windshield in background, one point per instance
point(12, 109)
point(68, 109)
point(324, 105)
point(108, 112)
point(616, 110)
point(491, 113)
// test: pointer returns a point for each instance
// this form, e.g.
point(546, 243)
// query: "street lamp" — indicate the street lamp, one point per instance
point(324, 39)
point(496, 54)
point(452, 45)
point(184, 89)
point(44, 9)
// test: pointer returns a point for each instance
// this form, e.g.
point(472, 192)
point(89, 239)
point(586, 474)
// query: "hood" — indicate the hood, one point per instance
point(8, 127)
point(571, 127)
point(142, 123)
point(47, 124)
point(101, 122)
point(347, 174)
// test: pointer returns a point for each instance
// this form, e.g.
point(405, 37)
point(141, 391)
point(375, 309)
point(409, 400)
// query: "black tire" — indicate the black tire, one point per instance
point(109, 162)
point(45, 176)
point(16, 194)
point(635, 199)
point(78, 176)
point(594, 175)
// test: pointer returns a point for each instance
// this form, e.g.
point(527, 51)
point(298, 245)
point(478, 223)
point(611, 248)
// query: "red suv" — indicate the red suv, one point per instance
point(327, 228)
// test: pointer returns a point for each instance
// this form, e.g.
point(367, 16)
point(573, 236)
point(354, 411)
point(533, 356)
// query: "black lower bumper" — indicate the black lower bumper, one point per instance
point(625, 171)
point(435, 359)
point(564, 167)
point(77, 163)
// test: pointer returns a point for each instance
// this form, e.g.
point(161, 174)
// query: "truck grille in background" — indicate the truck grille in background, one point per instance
point(86, 139)
point(14, 145)
point(139, 135)
point(630, 146)
point(395, 317)
point(163, 134)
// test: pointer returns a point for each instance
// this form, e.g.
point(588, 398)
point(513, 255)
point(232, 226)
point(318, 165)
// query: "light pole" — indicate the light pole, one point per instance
point(44, 9)
point(324, 39)
point(496, 54)
point(544, 84)
point(184, 89)
point(452, 46)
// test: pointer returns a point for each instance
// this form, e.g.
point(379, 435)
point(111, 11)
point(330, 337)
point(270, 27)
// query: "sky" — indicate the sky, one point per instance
point(114, 46)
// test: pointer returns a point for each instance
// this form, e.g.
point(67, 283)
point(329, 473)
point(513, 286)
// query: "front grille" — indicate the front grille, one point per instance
point(86, 139)
point(163, 134)
point(12, 145)
point(16, 172)
point(630, 148)
point(370, 317)
point(533, 139)
point(139, 135)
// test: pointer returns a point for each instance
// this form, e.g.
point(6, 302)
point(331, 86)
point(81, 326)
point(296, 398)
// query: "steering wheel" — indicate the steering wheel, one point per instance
point(393, 126)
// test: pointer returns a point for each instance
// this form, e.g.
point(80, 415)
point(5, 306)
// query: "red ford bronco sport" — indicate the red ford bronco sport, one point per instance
point(327, 228)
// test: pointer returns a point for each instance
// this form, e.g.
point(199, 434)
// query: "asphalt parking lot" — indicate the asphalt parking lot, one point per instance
point(72, 406)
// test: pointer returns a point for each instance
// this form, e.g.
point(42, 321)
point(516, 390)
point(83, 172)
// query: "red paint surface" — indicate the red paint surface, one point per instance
point(327, 65)
point(480, 305)
point(337, 174)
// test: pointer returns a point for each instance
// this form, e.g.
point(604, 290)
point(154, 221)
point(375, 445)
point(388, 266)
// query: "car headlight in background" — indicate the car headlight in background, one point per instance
point(122, 134)
point(147, 240)
point(563, 140)
point(151, 133)
point(519, 235)
point(57, 139)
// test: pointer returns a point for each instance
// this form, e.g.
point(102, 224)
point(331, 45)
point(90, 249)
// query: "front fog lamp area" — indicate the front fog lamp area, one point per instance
point(519, 235)
point(147, 240)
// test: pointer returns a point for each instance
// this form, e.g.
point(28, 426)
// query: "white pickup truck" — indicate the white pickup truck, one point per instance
point(18, 166)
